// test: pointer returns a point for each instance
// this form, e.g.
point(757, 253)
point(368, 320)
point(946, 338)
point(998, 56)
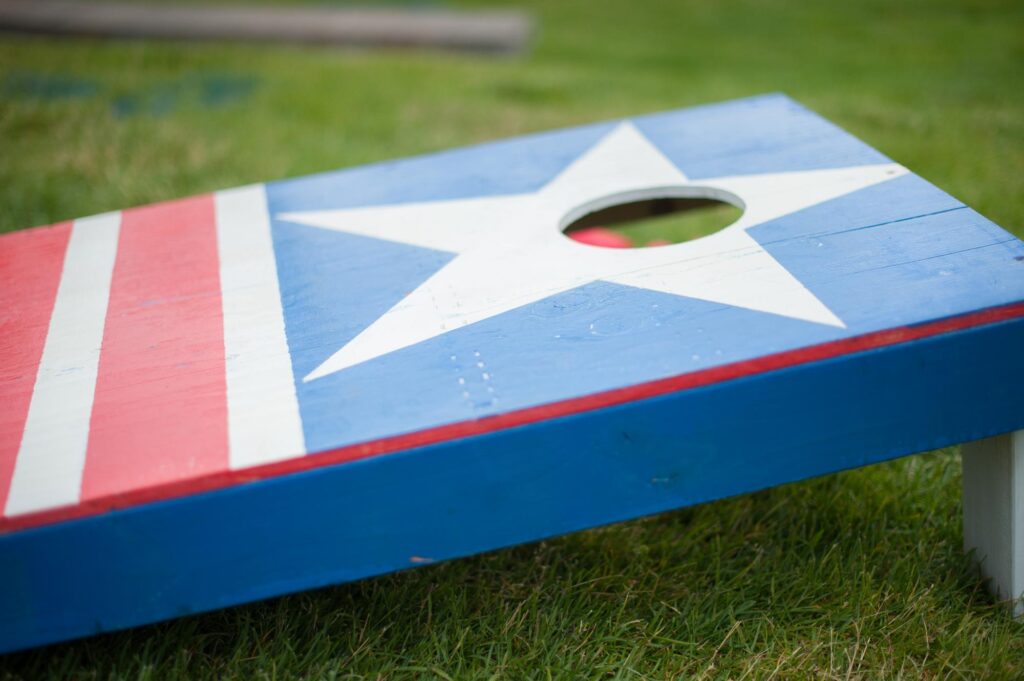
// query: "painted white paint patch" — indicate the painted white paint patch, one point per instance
point(263, 411)
point(51, 458)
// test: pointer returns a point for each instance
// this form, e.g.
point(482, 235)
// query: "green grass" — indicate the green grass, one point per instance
point(692, 219)
point(858, 575)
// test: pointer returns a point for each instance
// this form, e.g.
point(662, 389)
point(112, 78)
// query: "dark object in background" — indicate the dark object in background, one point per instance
point(490, 31)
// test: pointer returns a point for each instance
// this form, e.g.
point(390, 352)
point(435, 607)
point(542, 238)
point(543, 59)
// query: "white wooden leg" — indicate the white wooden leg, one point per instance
point(993, 481)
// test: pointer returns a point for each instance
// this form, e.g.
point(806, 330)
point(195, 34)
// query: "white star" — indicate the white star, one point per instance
point(510, 250)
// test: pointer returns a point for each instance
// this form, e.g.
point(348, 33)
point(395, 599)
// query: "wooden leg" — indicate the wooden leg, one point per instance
point(993, 481)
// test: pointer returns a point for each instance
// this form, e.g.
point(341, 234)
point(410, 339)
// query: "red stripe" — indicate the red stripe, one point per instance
point(30, 267)
point(453, 431)
point(160, 412)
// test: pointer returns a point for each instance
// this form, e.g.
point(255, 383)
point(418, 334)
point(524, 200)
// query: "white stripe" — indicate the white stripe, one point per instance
point(48, 471)
point(263, 411)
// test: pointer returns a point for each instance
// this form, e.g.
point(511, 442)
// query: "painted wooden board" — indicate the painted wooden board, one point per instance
point(481, 31)
point(282, 386)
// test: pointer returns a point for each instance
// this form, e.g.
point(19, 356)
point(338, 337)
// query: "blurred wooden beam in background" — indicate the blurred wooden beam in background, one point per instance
point(483, 31)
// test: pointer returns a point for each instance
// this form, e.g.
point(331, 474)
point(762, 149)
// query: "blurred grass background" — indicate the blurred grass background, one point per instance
point(857, 575)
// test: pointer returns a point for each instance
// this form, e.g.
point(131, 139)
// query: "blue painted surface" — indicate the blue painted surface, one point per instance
point(897, 253)
point(329, 525)
point(512, 166)
point(767, 134)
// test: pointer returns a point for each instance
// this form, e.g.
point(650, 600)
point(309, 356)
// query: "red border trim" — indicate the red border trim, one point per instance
point(609, 398)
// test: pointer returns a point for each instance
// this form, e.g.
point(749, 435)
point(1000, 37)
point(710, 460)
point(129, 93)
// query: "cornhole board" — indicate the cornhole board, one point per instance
point(283, 386)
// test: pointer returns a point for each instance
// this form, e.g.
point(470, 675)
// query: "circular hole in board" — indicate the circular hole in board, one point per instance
point(653, 222)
